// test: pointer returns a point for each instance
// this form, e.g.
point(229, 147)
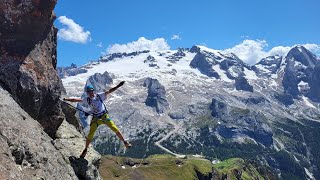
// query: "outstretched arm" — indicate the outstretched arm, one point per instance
point(114, 88)
point(73, 99)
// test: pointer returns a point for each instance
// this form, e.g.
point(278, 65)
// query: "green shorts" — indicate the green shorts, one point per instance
point(95, 122)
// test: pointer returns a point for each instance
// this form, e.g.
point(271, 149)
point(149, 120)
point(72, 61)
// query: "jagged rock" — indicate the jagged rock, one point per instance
point(290, 81)
point(28, 59)
point(111, 57)
point(26, 150)
point(210, 62)
point(180, 53)
point(204, 64)
point(100, 81)
point(314, 92)
point(71, 115)
point(71, 143)
point(302, 55)
point(128, 161)
point(241, 122)
point(253, 99)
point(179, 162)
point(285, 99)
point(72, 70)
point(233, 66)
point(218, 108)
point(156, 95)
point(177, 55)
point(179, 114)
point(300, 65)
point(268, 66)
point(241, 83)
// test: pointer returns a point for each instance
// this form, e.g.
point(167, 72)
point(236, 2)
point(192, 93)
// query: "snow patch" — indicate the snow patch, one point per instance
point(309, 174)
point(249, 74)
point(263, 68)
point(307, 102)
point(221, 73)
point(215, 52)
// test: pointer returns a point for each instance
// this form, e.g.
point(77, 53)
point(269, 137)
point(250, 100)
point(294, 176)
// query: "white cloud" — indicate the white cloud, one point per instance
point(99, 45)
point(252, 51)
point(315, 48)
point(176, 37)
point(72, 31)
point(141, 44)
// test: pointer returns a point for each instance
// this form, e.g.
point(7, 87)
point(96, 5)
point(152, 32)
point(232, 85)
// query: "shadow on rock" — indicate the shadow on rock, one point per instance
point(80, 166)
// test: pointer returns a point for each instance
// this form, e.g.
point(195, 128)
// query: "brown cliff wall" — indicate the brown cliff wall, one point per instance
point(28, 60)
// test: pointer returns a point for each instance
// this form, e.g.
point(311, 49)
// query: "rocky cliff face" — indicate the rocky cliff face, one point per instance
point(300, 65)
point(100, 81)
point(156, 95)
point(30, 149)
point(27, 152)
point(71, 70)
point(28, 59)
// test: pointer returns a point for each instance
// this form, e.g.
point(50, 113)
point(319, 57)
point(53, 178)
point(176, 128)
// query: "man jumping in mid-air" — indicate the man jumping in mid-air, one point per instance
point(100, 114)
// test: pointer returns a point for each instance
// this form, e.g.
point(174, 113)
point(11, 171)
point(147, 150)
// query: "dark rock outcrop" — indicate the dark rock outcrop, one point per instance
point(285, 99)
point(314, 92)
point(156, 95)
point(241, 123)
point(177, 55)
point(99, 81)
point(71, 117)
point(205, 59)
point(253, 99)
point(151, 61)
point(203, 64)
point(241, 83)
point(267, 66)
point(71, 70)
point(28, 59)
point(290, 81)
point(111, 57)
point(300, 66)
point(219, 108)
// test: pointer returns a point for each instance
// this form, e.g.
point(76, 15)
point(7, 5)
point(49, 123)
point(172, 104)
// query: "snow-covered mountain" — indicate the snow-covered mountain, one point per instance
point(203, 101)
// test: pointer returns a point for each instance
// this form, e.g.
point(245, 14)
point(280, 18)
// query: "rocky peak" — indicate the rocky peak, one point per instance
point(269, 65)
point(111, 57)
point(241, 83)
point(71, 70)
point(302, 55)
point(99, 81)
point(299, 67)
point(210, 61)
point(156, 95)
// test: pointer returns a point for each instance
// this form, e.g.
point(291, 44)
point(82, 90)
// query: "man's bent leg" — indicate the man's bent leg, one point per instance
point(115, 129)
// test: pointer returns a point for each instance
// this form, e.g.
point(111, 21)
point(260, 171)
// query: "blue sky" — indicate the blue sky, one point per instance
point(90, 28)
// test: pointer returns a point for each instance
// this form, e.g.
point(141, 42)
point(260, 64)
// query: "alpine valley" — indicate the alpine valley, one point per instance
point(200, 101)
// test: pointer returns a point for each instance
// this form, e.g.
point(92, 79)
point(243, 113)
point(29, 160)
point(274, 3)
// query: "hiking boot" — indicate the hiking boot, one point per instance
point(127, 144)
point(84, 153)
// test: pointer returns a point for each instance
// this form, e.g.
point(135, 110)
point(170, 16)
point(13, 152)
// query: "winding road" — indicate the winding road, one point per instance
point(176, 127)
